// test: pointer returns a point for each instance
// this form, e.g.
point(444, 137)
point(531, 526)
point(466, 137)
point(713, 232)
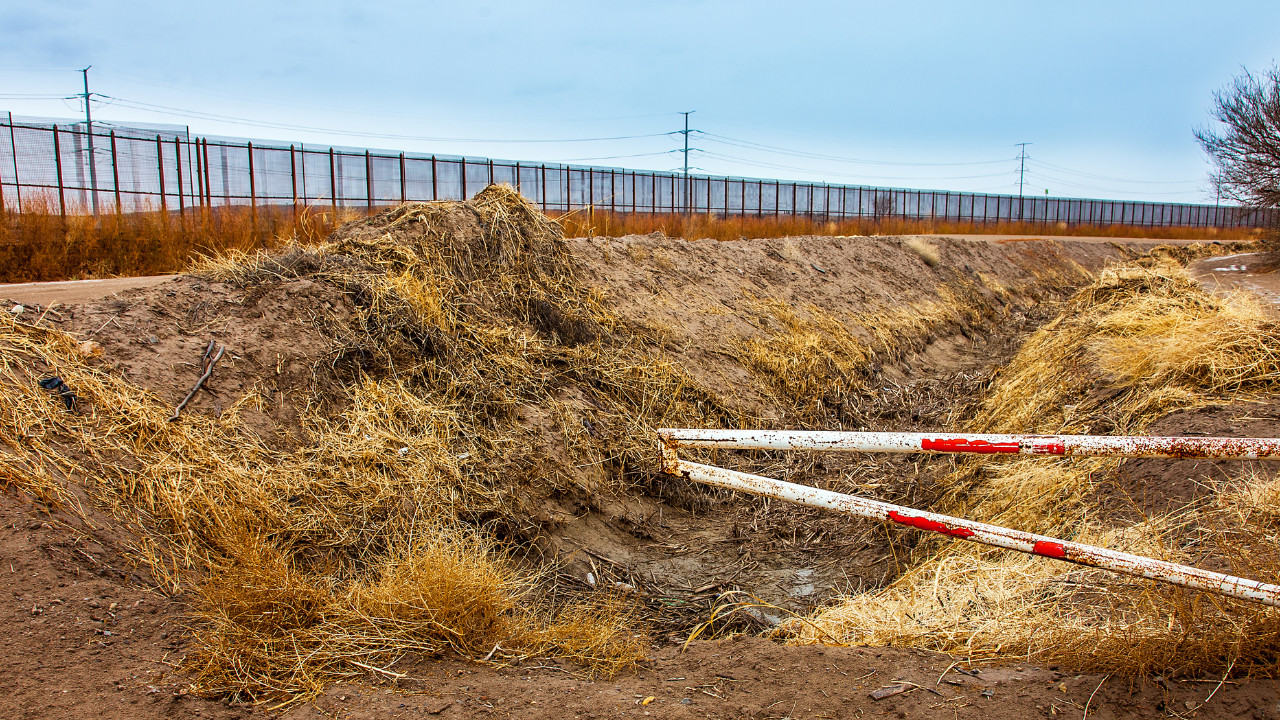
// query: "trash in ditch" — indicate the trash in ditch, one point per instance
point(55, 384)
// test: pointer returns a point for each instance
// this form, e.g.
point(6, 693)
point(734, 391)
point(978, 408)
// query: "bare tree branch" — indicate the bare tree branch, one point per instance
point(1245, 144)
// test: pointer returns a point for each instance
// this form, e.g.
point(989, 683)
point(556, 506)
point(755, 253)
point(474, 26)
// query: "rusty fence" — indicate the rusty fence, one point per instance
point(110, 168)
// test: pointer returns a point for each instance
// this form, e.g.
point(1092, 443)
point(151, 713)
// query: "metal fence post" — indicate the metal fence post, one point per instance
point(17, 181)
point(208, 174)
point(333, 179)
point(368, 180)
point(182, 199)
point(57, 163)
point(463, 164)
point(199, 172)
point(164, 201)
point(404, 182)
point(434, 175)
point(253, 187)
point(293, 177)
point(544, 187)
point(115, 172)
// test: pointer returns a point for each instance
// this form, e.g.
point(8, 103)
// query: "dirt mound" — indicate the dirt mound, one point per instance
point(452, 395)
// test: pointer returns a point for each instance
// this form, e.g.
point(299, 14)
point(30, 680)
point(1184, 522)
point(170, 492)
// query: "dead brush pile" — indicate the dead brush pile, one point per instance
point(1142, 341)
point(384, 535)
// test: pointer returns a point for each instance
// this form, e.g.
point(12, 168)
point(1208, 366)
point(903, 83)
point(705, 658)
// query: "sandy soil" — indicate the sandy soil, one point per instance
point(1251, 272)
point(70, 292)
point(87, 636)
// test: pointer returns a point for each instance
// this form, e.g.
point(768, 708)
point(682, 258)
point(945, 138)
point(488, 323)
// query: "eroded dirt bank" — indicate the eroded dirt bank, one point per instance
point(746, 323)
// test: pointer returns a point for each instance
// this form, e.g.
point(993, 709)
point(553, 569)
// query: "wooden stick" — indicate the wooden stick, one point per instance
point(199, 383)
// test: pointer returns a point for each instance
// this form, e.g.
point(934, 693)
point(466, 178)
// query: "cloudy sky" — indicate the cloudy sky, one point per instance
point(925, 94)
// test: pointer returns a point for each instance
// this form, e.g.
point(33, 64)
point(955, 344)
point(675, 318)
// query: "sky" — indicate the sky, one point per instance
point(924, 94)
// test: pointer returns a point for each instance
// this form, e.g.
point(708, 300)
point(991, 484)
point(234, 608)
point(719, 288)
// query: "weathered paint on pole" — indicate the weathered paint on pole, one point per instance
point(960, 528)
point(1217, 448)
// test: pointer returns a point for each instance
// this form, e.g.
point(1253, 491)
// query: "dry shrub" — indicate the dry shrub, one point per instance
point(1141, 341)
point(927, 252)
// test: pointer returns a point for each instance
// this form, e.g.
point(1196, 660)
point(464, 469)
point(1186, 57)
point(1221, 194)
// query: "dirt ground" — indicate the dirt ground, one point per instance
point(1250, 272)
point(88, 636)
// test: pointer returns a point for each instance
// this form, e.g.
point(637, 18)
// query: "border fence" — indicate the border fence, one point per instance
point(110, 168)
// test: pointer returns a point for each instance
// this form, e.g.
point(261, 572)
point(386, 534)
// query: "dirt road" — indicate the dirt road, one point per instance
point(75, 291)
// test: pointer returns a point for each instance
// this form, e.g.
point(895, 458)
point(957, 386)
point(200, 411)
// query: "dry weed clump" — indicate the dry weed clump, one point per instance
point(40, 244)
point(1140, 342)
point(477, 355)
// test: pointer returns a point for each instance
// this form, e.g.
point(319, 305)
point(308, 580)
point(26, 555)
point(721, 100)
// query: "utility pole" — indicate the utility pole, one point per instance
point(93, 159)
point(1022, 174)
point(685, 132)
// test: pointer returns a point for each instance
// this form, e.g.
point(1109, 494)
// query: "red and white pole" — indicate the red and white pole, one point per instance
point(1217, 448)
point(960, 528)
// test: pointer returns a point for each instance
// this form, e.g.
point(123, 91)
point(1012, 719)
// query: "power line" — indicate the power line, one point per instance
point(747, 144)
point(794, 168)
point(180, 112)
point(1069, 171)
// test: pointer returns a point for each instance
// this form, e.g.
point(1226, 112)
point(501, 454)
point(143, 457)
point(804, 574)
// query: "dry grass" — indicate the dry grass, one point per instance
point(817, 366)
point(1140, 342)
point(38, 244)
point(594, 222)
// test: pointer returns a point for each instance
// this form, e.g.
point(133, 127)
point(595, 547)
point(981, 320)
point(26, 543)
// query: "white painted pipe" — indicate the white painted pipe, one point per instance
point(1217, 448)
point(1044, 546)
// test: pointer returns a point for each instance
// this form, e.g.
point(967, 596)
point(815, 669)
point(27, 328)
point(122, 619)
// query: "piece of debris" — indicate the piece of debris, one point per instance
point(90, 349)
point(55, 384)
point(207, 362)
point(891, 690)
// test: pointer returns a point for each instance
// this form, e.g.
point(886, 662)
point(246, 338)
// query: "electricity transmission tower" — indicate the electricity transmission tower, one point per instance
point(1022, 174)
point(685, 132)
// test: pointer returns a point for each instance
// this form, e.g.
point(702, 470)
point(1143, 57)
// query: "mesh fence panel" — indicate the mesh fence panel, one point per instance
point(67, 168)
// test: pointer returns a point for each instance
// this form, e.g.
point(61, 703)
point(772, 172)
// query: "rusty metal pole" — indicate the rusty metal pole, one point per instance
point(182, 199)
point(253, 187)
point(57, 164)
point(368, 182)
point(972, 531)
point(293, 177)
point(115, 172)
point(17, 181)
point(1216, 448)
point(164, 201)
point(333, 180)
